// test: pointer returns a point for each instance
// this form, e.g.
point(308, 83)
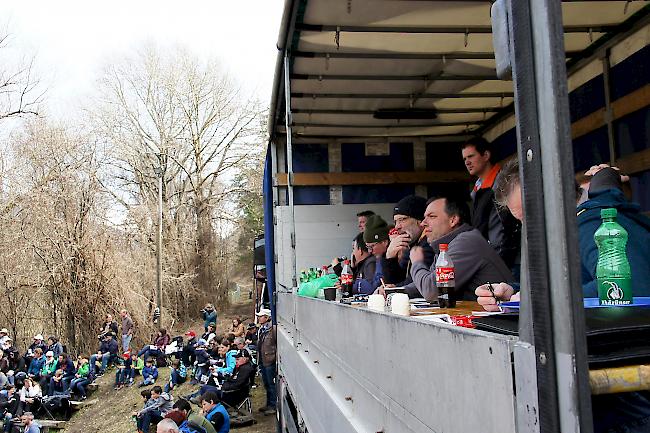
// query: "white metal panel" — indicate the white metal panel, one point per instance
point(356, 370)
point(322, 233)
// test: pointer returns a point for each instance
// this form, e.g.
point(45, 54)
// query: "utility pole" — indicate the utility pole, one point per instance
point(159, 173)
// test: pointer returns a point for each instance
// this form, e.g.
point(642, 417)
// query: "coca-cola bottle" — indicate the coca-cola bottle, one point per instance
point(346, 279)
point(445, 278)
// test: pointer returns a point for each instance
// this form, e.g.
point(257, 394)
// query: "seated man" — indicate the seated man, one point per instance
point(107, 351)
point(363, 272)
point(407, 214)
point(235, 389)
point(475, 261)
point(376, 238)
point(192, 418)
point(37, 344)
point(36, 365)
point(215, 412)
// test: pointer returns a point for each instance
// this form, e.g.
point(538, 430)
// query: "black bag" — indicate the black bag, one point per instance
point(615, 335)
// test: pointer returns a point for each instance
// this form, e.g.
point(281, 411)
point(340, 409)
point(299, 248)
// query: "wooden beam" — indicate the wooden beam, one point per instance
point(372, 178)
point(623, 106)
point(634, 163)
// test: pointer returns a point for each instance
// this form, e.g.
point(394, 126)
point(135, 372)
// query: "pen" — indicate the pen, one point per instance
point(491, 289)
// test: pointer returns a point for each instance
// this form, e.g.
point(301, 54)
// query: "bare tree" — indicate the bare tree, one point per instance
point(186, 118)
point(20, 91)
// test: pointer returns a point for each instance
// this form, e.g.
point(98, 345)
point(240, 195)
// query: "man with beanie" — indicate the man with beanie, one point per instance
point(496, 224)
point(364, 267)
point(407, 214)
point(376, 238)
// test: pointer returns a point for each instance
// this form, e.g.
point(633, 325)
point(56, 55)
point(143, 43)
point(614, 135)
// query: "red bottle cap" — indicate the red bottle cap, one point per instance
point(443, 247)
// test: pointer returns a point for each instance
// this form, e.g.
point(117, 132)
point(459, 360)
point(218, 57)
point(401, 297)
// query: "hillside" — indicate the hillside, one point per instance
point(112, 411)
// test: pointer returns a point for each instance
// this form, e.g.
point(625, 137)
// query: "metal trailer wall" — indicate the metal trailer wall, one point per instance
point(356, 370)
point(322, 232)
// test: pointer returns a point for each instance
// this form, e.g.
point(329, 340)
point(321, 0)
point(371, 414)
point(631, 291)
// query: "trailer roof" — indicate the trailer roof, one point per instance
point(351, 60)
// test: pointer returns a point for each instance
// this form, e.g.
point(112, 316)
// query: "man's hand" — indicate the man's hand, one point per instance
point(596, 168)
point(397, 244)
point(502, 291)
point(416, 255)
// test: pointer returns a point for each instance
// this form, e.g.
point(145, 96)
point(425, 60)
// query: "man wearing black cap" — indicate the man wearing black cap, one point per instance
point(407, 214)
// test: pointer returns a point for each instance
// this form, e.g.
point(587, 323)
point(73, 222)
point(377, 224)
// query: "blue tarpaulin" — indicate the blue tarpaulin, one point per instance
point(269, 248)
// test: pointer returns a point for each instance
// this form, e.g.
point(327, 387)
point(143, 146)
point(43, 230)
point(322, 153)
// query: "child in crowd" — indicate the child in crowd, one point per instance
point(81, 378)
point(178, 375)
point(137, 367)
point(124, 371)
point(202, 361)
point(149, 373)
point(148, 401)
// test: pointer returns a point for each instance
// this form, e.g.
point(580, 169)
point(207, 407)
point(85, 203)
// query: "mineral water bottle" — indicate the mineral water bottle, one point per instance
point(613, 269)
point(445, 278)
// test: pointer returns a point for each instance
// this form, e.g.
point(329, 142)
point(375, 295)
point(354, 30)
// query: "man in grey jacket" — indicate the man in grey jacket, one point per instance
point(475, 261)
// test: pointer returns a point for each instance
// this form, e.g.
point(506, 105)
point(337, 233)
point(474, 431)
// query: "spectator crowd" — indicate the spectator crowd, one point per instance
point(222, 367)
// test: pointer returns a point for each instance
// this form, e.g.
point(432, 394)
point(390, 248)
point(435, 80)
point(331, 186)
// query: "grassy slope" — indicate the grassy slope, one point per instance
point(112, 413)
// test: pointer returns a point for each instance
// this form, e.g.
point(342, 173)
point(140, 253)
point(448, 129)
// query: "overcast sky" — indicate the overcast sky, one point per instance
point(72, 39)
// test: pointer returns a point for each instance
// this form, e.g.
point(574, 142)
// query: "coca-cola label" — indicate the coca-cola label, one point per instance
point(346, 279)
point(444, 275)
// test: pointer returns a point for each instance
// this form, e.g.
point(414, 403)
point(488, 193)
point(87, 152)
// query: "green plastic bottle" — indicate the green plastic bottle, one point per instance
point(613, 269)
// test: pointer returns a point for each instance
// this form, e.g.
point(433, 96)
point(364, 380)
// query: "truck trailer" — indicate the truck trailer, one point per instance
point(371, 102)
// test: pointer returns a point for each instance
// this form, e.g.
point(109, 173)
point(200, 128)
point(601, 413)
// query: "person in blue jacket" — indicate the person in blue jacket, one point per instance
point(36, 365)
point(623, 412)
point(605, 191)
point(149, 373)
point(215, 412)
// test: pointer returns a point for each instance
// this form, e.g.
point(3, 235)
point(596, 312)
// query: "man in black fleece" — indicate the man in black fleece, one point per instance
point(407, 214)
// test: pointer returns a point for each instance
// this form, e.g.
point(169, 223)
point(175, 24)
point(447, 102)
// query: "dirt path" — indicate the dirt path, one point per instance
point(112, 412)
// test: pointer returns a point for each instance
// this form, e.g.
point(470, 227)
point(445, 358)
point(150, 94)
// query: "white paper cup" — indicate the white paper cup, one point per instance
point(376, 302)
point(400, 304)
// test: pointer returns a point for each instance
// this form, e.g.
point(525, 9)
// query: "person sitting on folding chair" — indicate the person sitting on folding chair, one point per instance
point(235, 389)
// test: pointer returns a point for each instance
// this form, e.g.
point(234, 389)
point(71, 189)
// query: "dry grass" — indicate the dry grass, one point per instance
point(112, 413)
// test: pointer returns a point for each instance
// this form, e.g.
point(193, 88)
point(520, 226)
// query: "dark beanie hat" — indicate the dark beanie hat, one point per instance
point(605, 179)
point(376, 229)
point(411, 206)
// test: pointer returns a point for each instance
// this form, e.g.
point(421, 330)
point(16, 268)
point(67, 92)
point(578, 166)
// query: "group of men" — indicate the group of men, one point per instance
point(483, 233)
point(483, 244)
point(485, 248)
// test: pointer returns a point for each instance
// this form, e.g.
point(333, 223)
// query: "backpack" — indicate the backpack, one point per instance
point(188, 427)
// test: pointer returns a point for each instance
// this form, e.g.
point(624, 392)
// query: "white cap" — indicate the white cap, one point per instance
point(4, 331)
point(38, 337)
point(264, 312)
point(49, 353)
